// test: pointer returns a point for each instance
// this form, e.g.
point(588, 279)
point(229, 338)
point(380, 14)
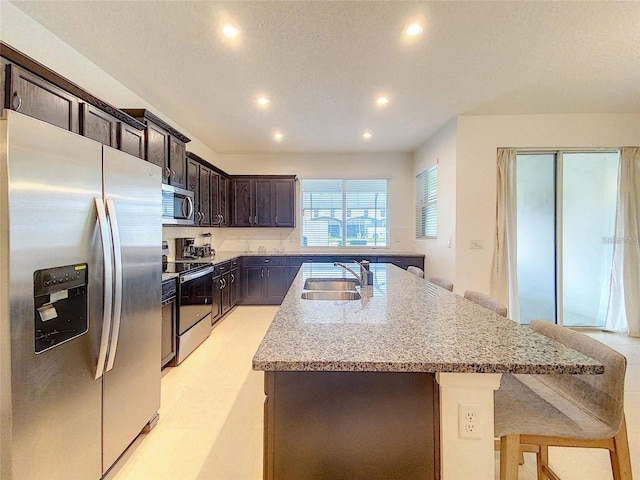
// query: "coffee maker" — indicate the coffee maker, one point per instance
point(185, 250)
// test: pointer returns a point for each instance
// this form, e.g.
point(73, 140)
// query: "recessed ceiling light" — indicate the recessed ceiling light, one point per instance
point(367, 135)
point(262, 101)
point(382, 100)
point(230, 31)
point(278, 136)
point(414, 29)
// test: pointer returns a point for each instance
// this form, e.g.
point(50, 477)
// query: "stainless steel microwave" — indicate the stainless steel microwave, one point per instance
point(177, 206)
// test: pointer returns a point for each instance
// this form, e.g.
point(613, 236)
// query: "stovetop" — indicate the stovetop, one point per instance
point(182, 267)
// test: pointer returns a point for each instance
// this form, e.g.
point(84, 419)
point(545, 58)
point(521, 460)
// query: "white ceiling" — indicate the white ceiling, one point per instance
point(322, 63)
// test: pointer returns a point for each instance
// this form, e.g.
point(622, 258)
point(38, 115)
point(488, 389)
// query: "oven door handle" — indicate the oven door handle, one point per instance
point(194, 275)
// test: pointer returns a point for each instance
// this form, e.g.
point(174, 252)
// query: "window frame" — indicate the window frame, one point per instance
point(427, 203)
point(347, 214)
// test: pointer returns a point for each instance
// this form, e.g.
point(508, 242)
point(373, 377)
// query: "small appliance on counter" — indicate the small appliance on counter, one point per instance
point(165, 255)
point(185, 249)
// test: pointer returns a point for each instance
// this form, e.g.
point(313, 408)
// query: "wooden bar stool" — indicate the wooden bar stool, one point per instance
point(535, 412)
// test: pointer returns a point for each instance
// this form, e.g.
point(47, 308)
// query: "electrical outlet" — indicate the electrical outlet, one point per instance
point(469, 421)
point(449, 243)
point(476, 244)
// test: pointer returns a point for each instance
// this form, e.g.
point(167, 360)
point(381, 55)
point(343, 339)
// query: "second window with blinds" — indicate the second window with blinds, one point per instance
point(344, 213)
point(427, 203)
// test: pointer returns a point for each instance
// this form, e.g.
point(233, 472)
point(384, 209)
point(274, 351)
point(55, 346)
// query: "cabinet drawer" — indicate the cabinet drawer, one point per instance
point(235, 263)
point(297, 261)
point(403, 262)
point(262, 260)
point(221, 268)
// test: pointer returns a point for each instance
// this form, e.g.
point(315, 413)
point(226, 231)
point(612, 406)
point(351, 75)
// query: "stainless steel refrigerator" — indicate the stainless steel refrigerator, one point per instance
point(80, 307)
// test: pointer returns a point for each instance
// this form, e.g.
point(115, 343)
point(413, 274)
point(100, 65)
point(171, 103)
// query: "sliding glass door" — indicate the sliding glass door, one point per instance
point(566, 216)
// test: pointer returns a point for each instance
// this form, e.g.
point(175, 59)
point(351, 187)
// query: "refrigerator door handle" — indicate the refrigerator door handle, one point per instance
point(117, 302)
point(107, 257)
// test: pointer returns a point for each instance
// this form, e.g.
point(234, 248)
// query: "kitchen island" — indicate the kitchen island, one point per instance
point(371, 388)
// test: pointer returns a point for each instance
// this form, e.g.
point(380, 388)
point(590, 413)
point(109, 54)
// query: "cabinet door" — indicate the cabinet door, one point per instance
point(193, 184)
point(253, 281)
point(263, 213)
point(216, 305)
point(277, 285)
point(242, 213)
point(33, 96)
point(157, 149)
point(131, 140)
point(177, 162)
point(226, 293)
point(98, 125)
point(293, 271)
point(234, 285)
point(216, 216)
point(205, 196)
point(223, 199)
point(284, 196)
point(168, 333)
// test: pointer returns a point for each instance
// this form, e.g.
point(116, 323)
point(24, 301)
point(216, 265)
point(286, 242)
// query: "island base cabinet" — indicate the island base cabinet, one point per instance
point(351, 425)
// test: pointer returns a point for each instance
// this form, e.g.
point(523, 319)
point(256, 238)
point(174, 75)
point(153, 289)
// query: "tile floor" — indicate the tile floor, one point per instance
point(210, 424)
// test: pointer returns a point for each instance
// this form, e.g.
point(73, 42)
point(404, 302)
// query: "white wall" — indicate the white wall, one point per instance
point(441, 148)
point(29, 37)
point(478, 138)
point(397, 167)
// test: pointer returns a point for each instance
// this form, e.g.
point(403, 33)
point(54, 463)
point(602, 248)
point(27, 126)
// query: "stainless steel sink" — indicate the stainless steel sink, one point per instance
point(342, 284)
point(330, 295)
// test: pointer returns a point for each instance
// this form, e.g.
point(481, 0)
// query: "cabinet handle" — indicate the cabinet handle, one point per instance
point(173, 173)
point(262, 273)
point(255, 219)
point(249, 220)
point(17, 95)
point(268, 273)
point(221, 283)
point(167, 172)
point(276, 219)
point(233, 278)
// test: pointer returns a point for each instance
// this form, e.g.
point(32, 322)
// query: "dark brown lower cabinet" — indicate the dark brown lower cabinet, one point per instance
point(373, 425)
point(216, 305)
point(265, 280)
point(234, 286)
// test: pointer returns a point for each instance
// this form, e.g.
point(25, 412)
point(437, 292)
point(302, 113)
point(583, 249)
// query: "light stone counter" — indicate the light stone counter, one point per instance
point(404, 324)
point(327, 363)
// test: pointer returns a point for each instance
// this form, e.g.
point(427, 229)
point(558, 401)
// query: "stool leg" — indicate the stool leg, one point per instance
point(509, 454)
point(542, 459)
point(620, 460)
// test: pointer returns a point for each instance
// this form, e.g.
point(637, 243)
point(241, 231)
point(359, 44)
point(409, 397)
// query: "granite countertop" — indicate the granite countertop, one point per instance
point(404, 324)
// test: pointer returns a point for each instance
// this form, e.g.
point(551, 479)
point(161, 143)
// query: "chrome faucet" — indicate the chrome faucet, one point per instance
point(362, 278)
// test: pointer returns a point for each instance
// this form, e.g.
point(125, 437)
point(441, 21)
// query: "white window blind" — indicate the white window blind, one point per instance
point(427, 203)
point(343, 213)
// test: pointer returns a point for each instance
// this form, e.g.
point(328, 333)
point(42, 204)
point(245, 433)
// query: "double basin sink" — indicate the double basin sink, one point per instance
point(331, 289)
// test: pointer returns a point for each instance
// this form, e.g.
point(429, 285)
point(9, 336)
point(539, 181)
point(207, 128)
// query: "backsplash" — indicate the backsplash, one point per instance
point(246, 240)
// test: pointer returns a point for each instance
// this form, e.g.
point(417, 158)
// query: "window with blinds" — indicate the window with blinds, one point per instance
point(344, 213)
point(427, 203)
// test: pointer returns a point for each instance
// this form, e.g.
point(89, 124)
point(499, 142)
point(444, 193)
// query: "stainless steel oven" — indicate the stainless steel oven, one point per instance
point(195, 297)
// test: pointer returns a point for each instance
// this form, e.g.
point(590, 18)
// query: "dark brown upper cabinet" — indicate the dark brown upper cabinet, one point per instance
point(205, 181)
point(131, 140)
point(98, 125)
point(263, 201)
point(219, 201)
point(165, 147)
point(33, 96)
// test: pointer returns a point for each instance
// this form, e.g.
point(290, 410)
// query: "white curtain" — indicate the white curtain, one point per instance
point(623, 313)
point(504, 279)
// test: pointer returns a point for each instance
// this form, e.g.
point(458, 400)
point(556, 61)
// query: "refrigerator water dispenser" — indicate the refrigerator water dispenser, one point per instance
point(60, 301)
